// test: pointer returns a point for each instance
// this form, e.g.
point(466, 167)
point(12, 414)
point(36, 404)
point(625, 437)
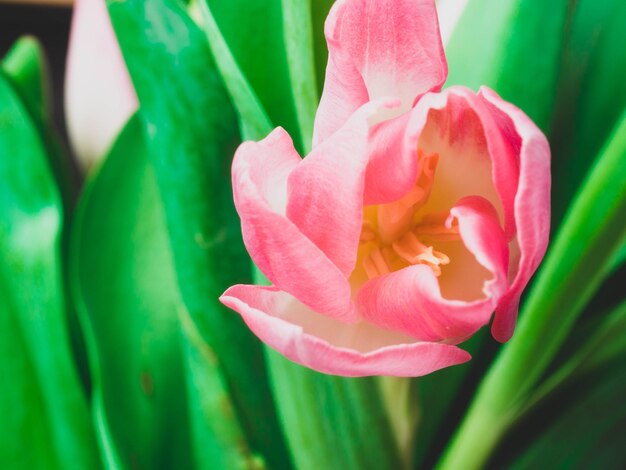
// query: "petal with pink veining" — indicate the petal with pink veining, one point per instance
point(477, 147)
point(287, 257)
point(378, 48)
point(331, 347)
point(451, 308)
point(326, 189)
point(532, 211)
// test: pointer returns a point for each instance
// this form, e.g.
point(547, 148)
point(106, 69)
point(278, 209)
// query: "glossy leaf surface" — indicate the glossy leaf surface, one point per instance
point(127, 298)
point(191, 130)
point(54, 429)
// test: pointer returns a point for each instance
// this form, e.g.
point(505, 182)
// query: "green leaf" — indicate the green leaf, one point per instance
point(297, 26)
point(224, 445)
point(601, 345)
point(26, 64)
point(192, 131)
point(576, 264)
point(587, 431)
point(619, 258)
point(591, 95)
point(261, 53)
point(331, 421)
point(45, 420)
point(439, 395)
point(319, 12)
point(26, 69)
point(254, 120)
point(514, 47)
point(128, 302)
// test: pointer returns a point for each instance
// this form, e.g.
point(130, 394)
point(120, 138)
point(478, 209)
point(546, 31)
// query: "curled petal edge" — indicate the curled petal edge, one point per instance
point(254, 303)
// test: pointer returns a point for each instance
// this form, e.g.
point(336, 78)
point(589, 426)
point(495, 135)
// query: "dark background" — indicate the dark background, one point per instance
point(51, 25)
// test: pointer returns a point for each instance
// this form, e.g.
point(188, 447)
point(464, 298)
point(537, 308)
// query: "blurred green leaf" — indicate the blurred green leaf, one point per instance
point(254, 121)
point(319, 12)
point(576, 264)
point(601, 345)
point(592, 94)
point(45, 417)
point(514, 47)
point(192, 133)
point(26, 64)
point(587, 431)
point(619, 258)
point(126, 295)
point(440, 395)
point(260, 53)
point(332, 422)
point(26, 69)
point(298, 35)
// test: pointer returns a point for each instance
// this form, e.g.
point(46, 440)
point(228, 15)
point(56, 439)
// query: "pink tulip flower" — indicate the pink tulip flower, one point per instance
point(417, 215)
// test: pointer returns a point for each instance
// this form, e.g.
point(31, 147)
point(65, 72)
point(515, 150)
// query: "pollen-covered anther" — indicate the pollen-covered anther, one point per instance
point(433, 228)
point(413, 251)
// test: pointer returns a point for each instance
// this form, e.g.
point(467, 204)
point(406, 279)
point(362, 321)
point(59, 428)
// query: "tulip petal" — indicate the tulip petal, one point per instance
point(532, 211)
point(286, 256)
point(311, 340)
point(378, 48)
point(477, 146)
point(411, 300)
point(326, 189)
point(99, 94)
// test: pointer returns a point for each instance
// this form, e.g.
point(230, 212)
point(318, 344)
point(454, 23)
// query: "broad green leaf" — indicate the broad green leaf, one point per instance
point(261, 53)
point(514, 47)
point(330, 421)
point(26, 69)
point(587, 431)
point(592, 94)
point(25, 64)
point(192, 131)
point(298, 33)
point(224, 446)
point(319, 12)
point(439, 396)
point(605, 343)
point(576, 264)
point(254, 121)
point(126, 295)
point(45, 420)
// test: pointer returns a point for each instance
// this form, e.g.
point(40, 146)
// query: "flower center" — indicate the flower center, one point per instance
point(400, 234)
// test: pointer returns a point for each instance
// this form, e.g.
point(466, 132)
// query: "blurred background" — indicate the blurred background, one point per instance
point(48, 20)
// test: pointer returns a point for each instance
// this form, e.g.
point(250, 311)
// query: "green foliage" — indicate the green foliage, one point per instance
point(592, 95)
point(41, 400)
point(570, 275)
point(262, 53)
point(514, 47)
point(26, 70)
point(332, 422)
point(126, 295)
point(191, 133)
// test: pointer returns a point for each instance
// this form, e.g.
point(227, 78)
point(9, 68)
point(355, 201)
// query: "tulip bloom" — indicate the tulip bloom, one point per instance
point(417, 215)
